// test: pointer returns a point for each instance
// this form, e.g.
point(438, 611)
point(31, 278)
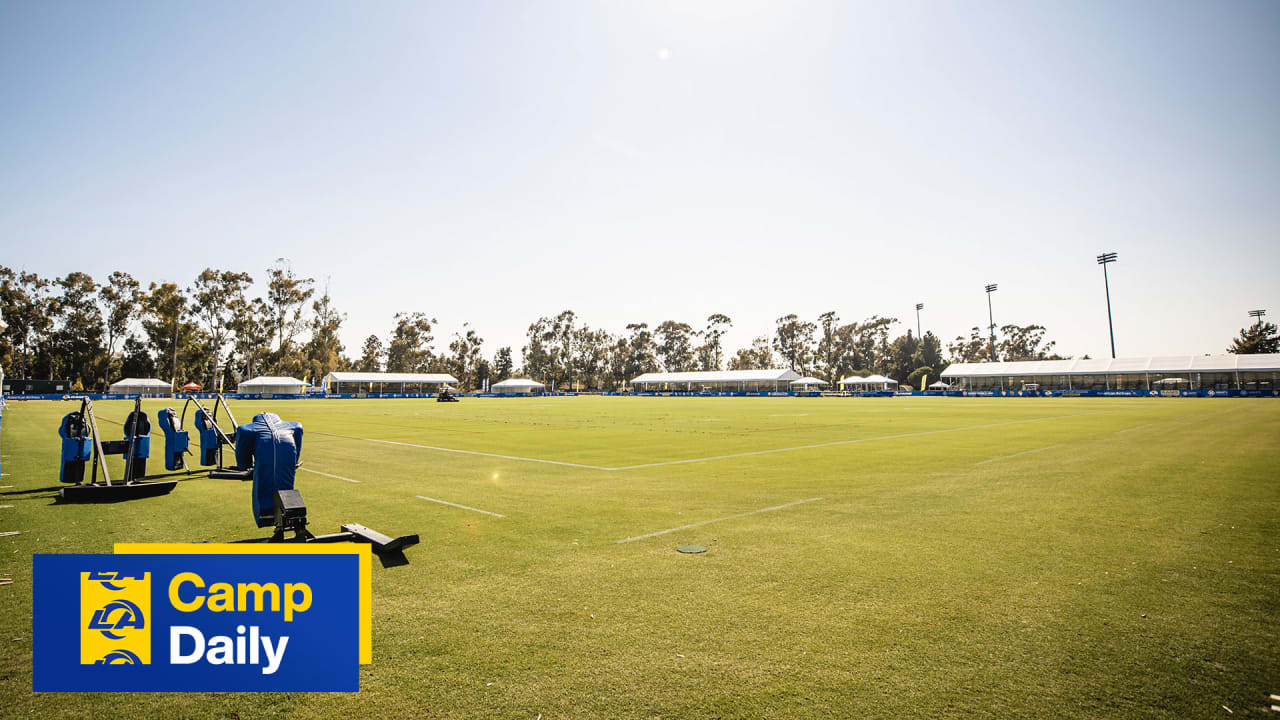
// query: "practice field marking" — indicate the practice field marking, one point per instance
point(687, 461)
point(469, 452)
point(790, 415)
point(464, 507)
point(708, 522)
point(845, 442)
point(1020, 454)
point(335, 477)
point(1136, 427)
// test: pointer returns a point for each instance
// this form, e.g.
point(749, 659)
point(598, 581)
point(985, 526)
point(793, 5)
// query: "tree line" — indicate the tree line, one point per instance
point(217, 331)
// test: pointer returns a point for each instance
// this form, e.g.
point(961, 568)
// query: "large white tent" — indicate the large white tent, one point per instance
point(871, 382)
point(338, 382)
point(1200, 371)
point(517, 385)
point(739, 380)
point(272, 385)
point(139, 386)
point(808, 383)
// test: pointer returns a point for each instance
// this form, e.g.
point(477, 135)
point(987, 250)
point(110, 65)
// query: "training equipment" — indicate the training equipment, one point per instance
point(82, 443)
point(272, 448)
point(176, 440)
point(213, 438)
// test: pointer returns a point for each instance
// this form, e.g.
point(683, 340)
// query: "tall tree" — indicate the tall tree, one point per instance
point(464, 355)
point(1025, 343)
point(502, 364)
point(120, 296)
point(410, 346)
point(642, 356)
point(324, 349)
point(929, 354)
point(562, 356)
point(212, 296)
point(77, 342)
point(793, 340)
point(251, 323)
point(902, 356)
point(757, 357)
point(675, 345)
point(164, 320)
point(711, 352)
point(27, 308)
point(539, 351)
point(287, 295)
point(1259, 338)
point(371, 355)
point(827, 356)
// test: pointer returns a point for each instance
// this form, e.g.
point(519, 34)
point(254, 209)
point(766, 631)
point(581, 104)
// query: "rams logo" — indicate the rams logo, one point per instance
point(106, 577)
point(119, 657)
point(107, 619)
point(113, 618)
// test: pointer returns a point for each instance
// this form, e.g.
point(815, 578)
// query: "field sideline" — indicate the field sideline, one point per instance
point(869, 557)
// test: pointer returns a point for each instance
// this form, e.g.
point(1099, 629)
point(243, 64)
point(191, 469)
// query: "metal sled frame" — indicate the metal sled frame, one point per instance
point(221, 471)
point(128, 489)
point(291, 517)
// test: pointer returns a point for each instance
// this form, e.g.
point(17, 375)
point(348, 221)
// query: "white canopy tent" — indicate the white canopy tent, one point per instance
point(806, 383)
point(273, 385)
point(1261, 370)
point(517, 385)
point(940, 385)
point(775, 379)
point(139, 386)
point(340, 382)
point(871, 382)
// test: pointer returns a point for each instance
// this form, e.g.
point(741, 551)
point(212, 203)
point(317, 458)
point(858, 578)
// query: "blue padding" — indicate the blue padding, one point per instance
point(274, 447)
point(176, 440)
point(137, 422)
point(208, 438)
point(76, 447)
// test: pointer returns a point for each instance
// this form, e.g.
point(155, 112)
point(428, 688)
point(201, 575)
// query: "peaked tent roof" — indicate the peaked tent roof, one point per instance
point(1266, 362)
point(517, 382)
point(271, 380)
point(810, 381)
point(719, 376)
point(141, 382)
point(389, 377)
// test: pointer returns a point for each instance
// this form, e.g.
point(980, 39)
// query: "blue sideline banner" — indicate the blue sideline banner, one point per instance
point(281, 622)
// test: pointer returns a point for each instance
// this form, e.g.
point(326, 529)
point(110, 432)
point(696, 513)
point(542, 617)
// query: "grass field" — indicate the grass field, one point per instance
point(957, 557)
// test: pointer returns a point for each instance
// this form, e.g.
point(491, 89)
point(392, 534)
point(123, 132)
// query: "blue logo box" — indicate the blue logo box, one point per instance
point(200, 622)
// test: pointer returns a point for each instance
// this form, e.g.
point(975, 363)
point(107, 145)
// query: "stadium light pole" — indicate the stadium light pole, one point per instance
point(992, 318)
point(919, 307)
point(1255, 314)
point(1105, 259)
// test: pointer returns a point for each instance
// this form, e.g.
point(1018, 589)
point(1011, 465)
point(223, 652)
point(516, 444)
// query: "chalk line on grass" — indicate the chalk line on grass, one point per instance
point(1136, 427)
point(687, 461)
point(468, 452)
point(842, 442)
point(1020, 454)
point(708, 522)
point(335, 477)
point(464, 507)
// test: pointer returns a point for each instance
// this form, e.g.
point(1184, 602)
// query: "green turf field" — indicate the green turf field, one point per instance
point(957, 557)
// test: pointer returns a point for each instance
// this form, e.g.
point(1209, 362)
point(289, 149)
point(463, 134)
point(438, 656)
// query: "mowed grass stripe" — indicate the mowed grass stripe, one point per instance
point(1018, 454)
point(716, 520)
point(686, 461)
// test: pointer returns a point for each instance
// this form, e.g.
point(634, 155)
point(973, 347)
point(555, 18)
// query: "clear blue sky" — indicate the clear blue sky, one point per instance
point(493, 162)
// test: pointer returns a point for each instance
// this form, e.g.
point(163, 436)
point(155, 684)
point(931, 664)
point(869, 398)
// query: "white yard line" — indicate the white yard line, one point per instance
point(1136, 427)
point(843, 442)
point(464, 507)
point(470, 452)
point(708, 522)
point(335, 477)
point(790, 415)
point(1024, 452)
point(687, 461)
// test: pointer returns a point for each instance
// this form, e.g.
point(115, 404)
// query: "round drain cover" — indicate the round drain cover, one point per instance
point(691, 549)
